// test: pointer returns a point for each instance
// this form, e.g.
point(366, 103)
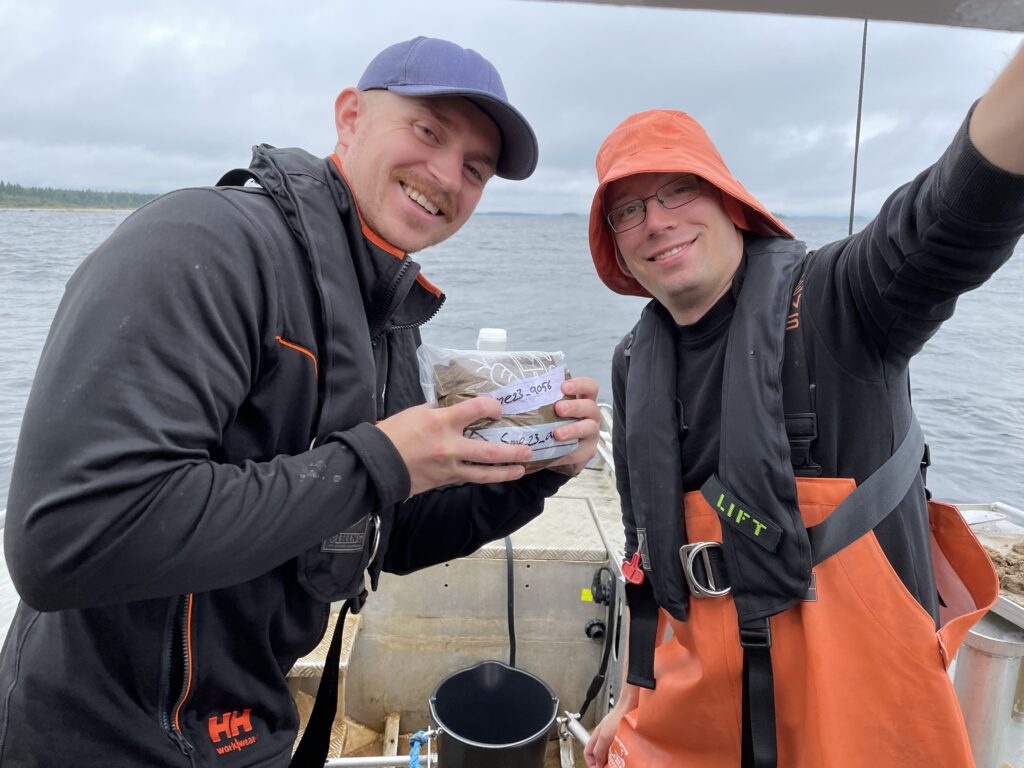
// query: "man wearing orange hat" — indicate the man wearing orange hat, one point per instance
point(794, 597)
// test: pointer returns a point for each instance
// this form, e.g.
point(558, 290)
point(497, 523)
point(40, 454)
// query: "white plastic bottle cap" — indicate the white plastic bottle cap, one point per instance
point(492, 339)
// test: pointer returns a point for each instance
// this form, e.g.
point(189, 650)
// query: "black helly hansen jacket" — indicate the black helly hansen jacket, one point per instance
point(167, 514)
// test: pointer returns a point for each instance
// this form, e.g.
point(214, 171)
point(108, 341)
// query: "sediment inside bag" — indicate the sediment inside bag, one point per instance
point(527, 385)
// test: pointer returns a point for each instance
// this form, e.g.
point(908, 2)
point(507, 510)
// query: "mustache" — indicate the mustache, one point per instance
point(434, 193)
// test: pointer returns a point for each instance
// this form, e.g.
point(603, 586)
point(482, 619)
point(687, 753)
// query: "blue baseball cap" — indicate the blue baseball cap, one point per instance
point(426, 66)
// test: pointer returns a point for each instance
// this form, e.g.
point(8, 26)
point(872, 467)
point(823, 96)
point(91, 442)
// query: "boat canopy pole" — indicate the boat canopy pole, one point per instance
point(860, 110)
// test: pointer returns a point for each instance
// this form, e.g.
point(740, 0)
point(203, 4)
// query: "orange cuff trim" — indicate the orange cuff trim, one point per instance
point(303, 350)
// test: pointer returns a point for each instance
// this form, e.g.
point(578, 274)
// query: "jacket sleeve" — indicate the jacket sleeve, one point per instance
point(939, 236)
point(116, 494)
point(452, 522)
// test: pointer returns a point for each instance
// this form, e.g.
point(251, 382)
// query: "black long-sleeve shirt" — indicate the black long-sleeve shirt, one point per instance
point(870, 302)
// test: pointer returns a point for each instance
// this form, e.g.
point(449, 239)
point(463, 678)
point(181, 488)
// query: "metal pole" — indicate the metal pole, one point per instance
point(388, 761)
point(581, 734)
point(860, 110)
point(393, 761)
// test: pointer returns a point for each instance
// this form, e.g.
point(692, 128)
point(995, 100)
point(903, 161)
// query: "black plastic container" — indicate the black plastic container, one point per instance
point(493, 716)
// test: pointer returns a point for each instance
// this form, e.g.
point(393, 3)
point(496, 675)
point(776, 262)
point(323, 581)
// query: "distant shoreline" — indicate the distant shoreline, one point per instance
point(9, 206)
point(65, 208)
point(54, 198)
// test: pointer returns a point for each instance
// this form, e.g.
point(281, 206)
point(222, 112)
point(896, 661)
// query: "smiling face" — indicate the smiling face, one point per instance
point(685, 257)
point(416, 166)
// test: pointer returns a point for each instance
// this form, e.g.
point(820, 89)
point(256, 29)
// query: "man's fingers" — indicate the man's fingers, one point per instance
point(601, 748)
point(485, 473)
point(596, 752)
point(486, 452)
point(479, 461)
point(580, 386)
point(583, 429)
point(578, 409)
point(468, 411)
point(582, 405)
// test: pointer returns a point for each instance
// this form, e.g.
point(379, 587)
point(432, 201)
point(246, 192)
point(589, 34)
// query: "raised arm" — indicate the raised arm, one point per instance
point(997, 125)
point(944, 233)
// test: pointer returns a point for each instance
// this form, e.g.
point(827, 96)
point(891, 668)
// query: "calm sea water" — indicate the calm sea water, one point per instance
point(532, 275)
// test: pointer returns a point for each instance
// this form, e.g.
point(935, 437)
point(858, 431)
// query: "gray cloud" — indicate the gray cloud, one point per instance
point(147, 97)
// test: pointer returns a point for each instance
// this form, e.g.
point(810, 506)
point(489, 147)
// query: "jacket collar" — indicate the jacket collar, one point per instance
point(392, 289)
point(395, 292)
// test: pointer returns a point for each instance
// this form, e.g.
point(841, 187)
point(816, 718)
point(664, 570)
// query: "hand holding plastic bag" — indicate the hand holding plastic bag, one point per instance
point(527, 385)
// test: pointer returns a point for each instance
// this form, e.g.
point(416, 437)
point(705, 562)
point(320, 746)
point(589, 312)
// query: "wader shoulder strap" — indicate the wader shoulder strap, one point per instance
point(873, 500)
point(870, 503)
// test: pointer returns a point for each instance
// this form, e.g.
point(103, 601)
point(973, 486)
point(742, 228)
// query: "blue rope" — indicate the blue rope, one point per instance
point(417, 740)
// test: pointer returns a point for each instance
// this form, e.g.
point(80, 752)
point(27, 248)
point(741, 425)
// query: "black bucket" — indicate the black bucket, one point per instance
point(493, 716)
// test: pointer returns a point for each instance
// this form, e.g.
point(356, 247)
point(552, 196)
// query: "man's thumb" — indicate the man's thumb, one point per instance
point(475, 409)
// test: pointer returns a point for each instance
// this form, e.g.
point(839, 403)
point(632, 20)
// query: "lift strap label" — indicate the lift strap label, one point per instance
point(743, 518)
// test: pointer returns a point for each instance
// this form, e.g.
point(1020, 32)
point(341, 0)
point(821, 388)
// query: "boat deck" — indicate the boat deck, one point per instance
point(416, 629)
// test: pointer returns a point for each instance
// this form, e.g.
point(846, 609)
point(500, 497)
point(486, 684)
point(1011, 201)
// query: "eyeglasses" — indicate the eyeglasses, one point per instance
point(676, 193)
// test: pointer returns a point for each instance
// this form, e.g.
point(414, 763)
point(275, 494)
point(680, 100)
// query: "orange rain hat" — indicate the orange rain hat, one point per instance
point(656, 141)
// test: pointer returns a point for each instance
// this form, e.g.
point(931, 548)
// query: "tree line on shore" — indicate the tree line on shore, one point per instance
point(17, 196)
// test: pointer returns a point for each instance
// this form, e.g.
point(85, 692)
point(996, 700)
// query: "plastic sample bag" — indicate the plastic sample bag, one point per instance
point(527, 384)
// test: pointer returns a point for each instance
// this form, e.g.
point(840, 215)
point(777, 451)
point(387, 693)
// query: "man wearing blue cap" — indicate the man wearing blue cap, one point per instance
point(226, 431)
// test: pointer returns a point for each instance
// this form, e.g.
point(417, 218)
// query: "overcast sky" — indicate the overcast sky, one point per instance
point(148, 97)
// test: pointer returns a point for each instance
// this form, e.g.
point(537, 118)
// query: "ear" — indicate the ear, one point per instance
point(349, 105)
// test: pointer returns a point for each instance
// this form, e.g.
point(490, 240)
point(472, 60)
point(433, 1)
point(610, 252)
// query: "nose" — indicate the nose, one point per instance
point(446, 167)
point(658, 218)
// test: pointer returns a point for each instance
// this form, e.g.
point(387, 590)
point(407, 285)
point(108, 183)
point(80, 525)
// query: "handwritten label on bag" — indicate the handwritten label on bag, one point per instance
point(538, 437)
point(530, 394)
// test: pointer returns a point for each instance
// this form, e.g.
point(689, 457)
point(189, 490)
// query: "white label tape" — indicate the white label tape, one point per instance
point(529, 394)
point(538, 437)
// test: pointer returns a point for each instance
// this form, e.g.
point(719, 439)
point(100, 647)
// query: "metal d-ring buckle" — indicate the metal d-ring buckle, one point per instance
point(688, 553)
point(375, 519)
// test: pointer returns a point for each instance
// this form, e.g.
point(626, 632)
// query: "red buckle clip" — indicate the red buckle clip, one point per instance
point(632, 571)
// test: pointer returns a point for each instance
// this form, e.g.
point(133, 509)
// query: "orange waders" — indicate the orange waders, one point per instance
point(859, 669)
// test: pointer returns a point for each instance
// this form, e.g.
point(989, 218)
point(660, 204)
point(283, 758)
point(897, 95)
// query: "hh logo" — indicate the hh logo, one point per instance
point(229, 725)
